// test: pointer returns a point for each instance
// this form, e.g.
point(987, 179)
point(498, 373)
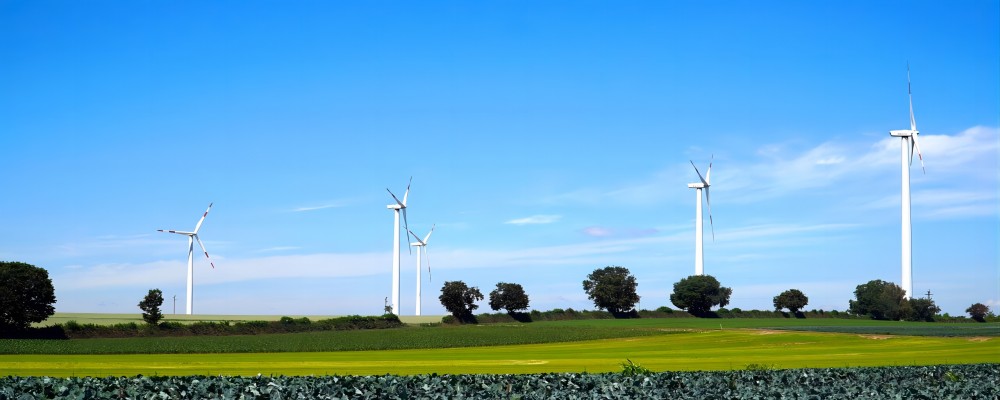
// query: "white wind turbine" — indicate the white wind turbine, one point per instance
point(399, 206)
point(909, 144)
point(192, 237)
point(421, 245)
point(699, 248)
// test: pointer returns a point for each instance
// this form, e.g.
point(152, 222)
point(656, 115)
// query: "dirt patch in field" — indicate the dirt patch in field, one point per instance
point(768, 332)
point(876, 337)
point(979, 339)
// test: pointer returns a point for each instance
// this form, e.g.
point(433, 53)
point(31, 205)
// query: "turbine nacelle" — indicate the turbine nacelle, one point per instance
point(903, 133)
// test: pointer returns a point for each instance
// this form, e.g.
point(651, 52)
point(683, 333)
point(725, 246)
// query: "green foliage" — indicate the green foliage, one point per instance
point(508, 296)
point(792, 299)
point(973, 381)
point(879, 299)
point(630, 368)
point(922, 310)
point(978, 311)
point(26, 296)
point(699, 293)
point(612, 288)
point(460, 300)
point(759, 367)
point(150, 306)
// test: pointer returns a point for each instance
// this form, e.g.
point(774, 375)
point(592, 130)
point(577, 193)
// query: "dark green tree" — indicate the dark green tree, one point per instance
point(922, 310)
point(612, 288)
point(460, 300)
point(792, 299)
point(879, 299)
point(26, 295)
point(508, 296)
point(699, 293)
point(150, 306)
point(978, 311)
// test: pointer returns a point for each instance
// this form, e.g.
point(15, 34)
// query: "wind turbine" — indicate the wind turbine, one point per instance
point(421, 245)
point(399, 206)
point(908, 140)
point(192, 237)
point(699, 248)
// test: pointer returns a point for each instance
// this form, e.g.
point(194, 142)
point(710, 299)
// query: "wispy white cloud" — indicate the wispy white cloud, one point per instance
point(276, 248)
point(597, 231)
point(319, 207)
point(535, 219)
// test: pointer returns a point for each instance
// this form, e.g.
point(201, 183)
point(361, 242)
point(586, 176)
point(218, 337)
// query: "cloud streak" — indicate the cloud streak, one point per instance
point(534, 220)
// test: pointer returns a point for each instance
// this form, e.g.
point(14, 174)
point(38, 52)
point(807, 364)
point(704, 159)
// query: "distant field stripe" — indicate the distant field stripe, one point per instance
point(704, 350)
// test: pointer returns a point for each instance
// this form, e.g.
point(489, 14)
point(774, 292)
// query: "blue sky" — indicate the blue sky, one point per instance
point(545, 140)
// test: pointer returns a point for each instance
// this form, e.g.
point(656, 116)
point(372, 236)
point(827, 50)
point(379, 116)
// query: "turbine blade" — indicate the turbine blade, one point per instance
point(395, 198)
point(407, 226)
point(200, 221)
point(428, 237)
point(708, 175)
point(699, 173)
point(909, 91)
point(205, 251)
point(407, 194)
point(708, 199)
point(417, 238)
point(428, 257)
point(916, 146)
point(177, 232)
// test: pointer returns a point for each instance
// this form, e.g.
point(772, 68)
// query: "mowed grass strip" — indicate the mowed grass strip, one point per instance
point(694, 350)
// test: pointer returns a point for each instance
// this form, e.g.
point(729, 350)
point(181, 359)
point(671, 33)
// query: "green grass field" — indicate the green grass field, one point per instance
point(695, 350)
point(563, 346)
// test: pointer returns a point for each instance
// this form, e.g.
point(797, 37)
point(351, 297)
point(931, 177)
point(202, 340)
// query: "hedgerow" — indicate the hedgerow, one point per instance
point(974, 381)
point(74, 330)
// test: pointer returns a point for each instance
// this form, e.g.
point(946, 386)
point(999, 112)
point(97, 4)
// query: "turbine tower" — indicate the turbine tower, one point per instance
point(699, 248)
point(192, 237)
point(399, 206)
point(421, 245)
point(908, 140)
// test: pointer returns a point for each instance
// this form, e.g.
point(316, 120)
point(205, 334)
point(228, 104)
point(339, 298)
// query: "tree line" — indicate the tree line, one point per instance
point(27, 296)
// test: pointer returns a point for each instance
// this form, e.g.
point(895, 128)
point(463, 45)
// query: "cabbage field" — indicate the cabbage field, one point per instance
point(975, 381)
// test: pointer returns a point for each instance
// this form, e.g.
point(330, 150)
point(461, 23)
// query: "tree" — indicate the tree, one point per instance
point(612, 288)
point(26, 295)
point(978, 311)
point(922, 310)
point(150, 306)
point(699, 293)
point(879, 299)
point(792, 299)
point(508, 296)
point(460, 300)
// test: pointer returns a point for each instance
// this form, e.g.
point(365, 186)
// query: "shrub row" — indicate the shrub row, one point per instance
point(559, 314)
point(974, 381)
point(74, 330)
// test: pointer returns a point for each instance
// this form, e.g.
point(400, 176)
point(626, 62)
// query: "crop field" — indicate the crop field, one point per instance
point(564, 346)
point(108, 319)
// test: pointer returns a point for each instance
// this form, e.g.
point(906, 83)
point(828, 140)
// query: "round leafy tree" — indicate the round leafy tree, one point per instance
point(922, 310)
point(699, 293)
point(508, 296)
point(26, 295)
point(879, 299)
point(460, 300)
point(150, 306)
point(612, 288)
point(978, 311)
point(792, 299)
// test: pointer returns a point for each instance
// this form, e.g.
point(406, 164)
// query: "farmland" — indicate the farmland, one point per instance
point(563, 346)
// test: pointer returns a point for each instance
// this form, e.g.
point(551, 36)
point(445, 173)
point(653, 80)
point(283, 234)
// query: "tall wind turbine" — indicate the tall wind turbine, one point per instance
point(699, 248)
point(399, 206)
point(192, 237)
point(421, 245)
point(908, 140)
